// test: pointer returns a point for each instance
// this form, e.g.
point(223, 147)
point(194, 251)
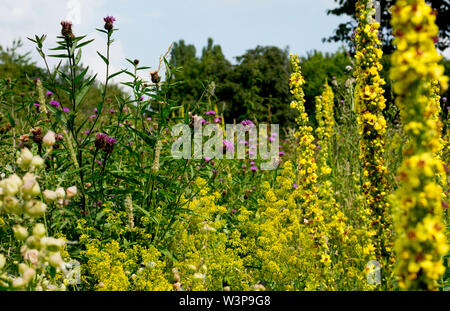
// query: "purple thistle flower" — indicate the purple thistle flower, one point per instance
point(66, 110)
point(228, 145)
point(109, 22)
point(111, 111)
point(210, 113)
point(54, 103)
point(207, 159)
point(254, 168)
point(247, 123)
point(49, 93)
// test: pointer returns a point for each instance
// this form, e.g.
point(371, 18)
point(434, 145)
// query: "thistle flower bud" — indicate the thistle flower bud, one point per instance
point(49, 139)
point(71, 192)
point(155, 77)
point(49, 196)
point(20, 233)
point(66, 30)
point(39, 230)
point(37, 134)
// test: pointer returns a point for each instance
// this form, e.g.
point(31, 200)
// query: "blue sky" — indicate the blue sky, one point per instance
point(148, 27)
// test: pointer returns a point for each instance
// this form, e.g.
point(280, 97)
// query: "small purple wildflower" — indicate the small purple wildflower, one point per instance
point(48, 93)
point(54, 103)
point(228, 145)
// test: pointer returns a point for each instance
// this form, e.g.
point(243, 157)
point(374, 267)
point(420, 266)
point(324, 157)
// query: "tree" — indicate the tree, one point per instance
point(344, 31)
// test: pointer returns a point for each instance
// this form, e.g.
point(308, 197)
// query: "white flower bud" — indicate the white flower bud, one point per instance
point(198, 276)
point(2, 261)
point(35, 208)
point(49, 139)
point(20, 233)
point(25, 157)
point(32, 256)
point(39, 230)
point(71, 192)
point(37, 162)
point(11, 185)
point(31, 187)
point(49, 196)
point(10, 204)
point(60, 193)
point(53, 244)
point(55, 260)
point(22, 268)
point(28, 274)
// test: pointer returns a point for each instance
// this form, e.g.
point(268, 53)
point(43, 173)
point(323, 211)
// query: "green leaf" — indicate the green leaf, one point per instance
point(104, 58)
point(11, 120)
point(59, 55)
point(78, 57)
point(81, 75)
point(84, 43)
point(115, 74)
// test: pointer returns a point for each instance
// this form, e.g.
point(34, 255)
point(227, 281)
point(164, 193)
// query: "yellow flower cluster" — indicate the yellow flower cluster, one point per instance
point(298, 238)
point(421, 241)
point(112, 269)
point(204, 260)
point(370, 103)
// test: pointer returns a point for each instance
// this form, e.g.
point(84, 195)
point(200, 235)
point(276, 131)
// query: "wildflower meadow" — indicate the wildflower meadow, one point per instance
point(144, 180)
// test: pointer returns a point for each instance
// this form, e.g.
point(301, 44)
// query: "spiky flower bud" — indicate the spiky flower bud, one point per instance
point(66, 30)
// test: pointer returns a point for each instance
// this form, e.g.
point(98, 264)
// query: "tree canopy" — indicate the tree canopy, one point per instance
point(344, 31)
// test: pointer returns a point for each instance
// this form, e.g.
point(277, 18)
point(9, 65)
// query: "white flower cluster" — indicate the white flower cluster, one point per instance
point(19, 197)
